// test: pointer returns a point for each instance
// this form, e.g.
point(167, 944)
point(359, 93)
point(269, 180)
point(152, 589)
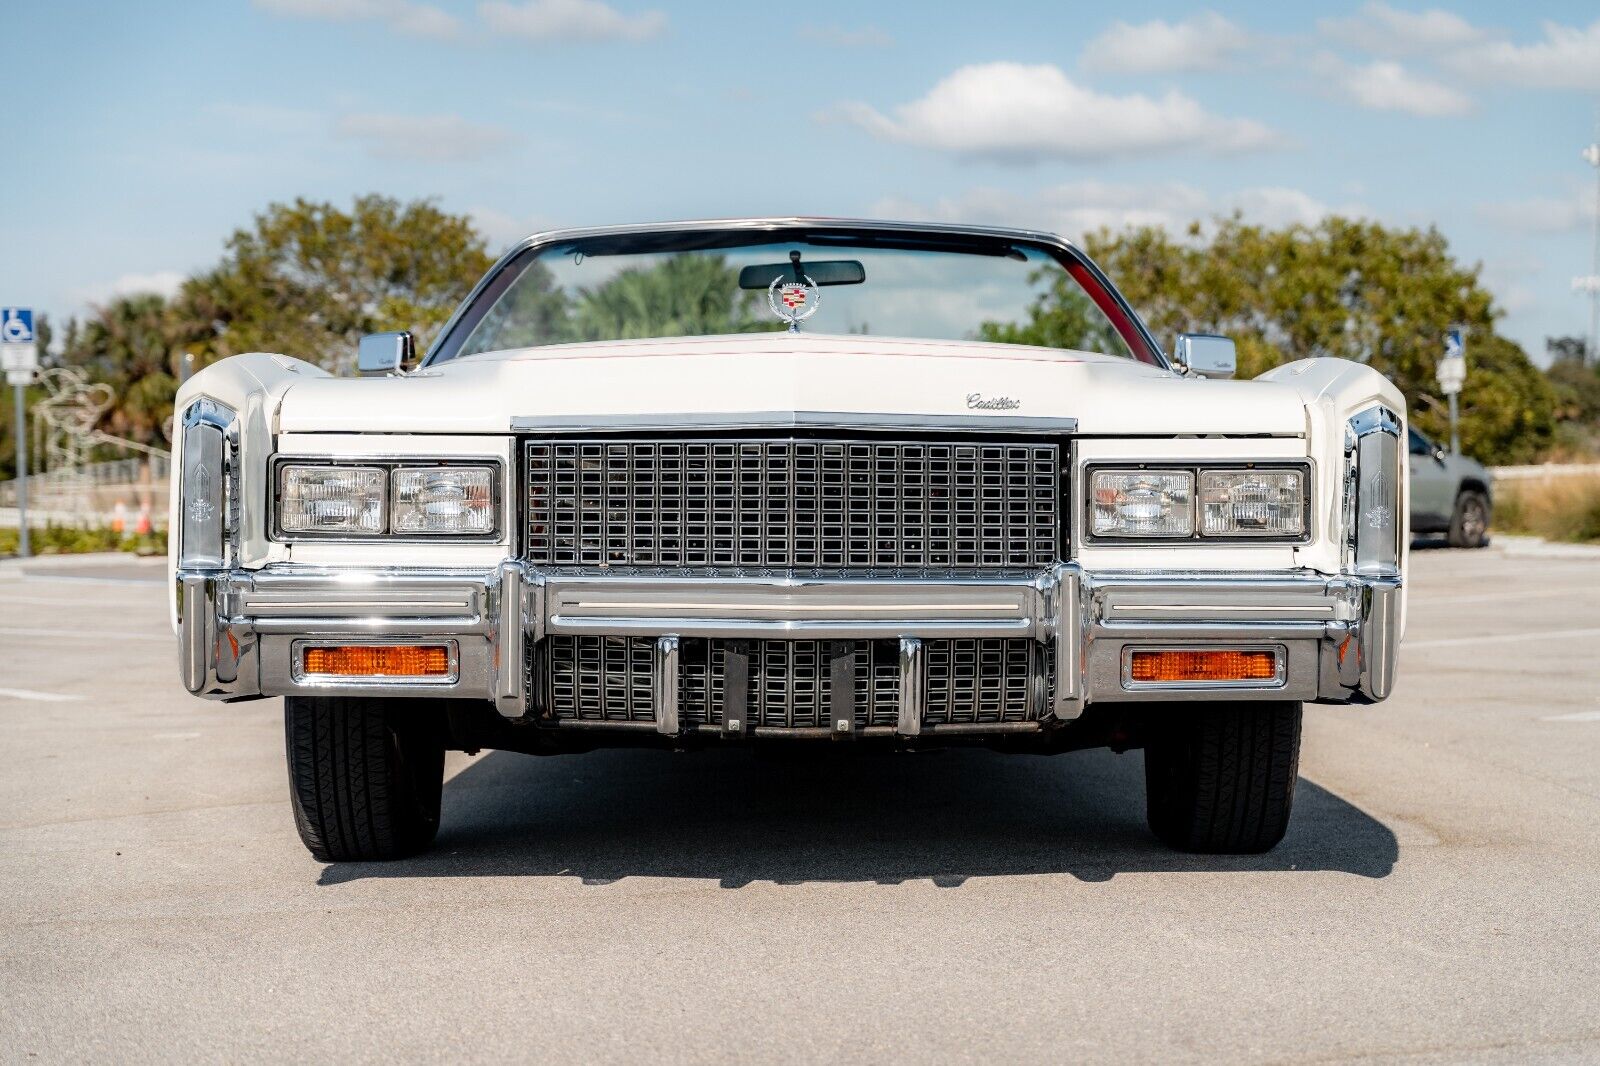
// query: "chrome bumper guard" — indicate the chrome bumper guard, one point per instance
point(1337, 638)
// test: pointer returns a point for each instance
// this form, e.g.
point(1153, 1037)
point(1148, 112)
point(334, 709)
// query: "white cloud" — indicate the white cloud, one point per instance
point(569, 20)
point(1384, 85)
point(839, 37)
point(163, 283)
point(1017, 113)
point(1384, 30)
point(403, 16)
point(1567, 58)
point(1543, 214)
point(438, 138)
point(501, 230)
point(1080, 207)
point(1206, 41)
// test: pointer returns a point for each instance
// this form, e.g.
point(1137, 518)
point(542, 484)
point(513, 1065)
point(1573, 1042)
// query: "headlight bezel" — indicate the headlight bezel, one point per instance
point(1196, 468)
point(390, 464)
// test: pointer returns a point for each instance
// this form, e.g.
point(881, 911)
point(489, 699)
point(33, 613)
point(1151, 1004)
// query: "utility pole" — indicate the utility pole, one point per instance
point(1591, 284)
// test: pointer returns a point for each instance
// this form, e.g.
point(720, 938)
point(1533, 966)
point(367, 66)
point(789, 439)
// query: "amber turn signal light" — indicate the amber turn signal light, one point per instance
point(379, 660)
point(1180, 666)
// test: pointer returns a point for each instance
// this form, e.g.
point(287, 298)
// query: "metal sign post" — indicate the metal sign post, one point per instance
point(19, 354)
point(1451, 374)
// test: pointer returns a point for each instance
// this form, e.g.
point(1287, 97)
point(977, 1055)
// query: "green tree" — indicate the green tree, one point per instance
point(1576, 382)
point(133, 343)
point(1062, 316)
point(681, 296)
point(309, 279)
point(1348, 288)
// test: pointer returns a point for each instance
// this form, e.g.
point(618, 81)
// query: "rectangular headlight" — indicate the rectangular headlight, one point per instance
point(1143, 503)
point(1252, 503)
point(332, 499)
point(454, 499)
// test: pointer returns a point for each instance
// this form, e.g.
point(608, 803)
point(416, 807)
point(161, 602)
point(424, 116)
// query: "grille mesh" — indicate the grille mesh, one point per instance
point(598, 679)
point(822, 504)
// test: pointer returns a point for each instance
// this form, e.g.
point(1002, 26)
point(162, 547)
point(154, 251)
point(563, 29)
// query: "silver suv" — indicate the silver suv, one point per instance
point(1449, 494)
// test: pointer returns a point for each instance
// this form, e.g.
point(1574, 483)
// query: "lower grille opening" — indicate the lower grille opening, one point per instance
point(611, 679)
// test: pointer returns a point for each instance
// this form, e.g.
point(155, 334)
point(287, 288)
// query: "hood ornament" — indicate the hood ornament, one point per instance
point(794, 300)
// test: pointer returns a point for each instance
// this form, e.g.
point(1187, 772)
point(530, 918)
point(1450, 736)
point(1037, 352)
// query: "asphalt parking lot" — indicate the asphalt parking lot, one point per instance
point(1438, 897)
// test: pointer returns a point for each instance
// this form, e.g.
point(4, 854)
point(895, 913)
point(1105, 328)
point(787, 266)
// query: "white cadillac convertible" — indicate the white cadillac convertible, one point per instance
point(788, 480)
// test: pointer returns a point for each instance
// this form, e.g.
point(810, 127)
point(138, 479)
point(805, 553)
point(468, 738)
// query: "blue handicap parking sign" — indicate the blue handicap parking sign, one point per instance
point(16, 325)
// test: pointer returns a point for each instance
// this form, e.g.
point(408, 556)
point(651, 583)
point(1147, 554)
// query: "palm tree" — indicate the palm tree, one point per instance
point(684, 295)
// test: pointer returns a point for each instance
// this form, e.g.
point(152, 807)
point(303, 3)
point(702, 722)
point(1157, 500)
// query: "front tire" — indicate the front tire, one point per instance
point(1469, 523)
point(1219, 778)
point(365, 776)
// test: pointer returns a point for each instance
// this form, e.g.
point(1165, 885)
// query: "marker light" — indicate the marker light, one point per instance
point(1177, 667)
point(378, 660)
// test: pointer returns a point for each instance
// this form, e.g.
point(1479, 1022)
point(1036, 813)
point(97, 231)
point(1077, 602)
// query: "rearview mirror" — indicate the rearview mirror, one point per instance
point(1205, 355)
point(384, 353)
point(821, 272)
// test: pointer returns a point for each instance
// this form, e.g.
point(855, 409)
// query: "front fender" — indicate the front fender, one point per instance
point(248, 389)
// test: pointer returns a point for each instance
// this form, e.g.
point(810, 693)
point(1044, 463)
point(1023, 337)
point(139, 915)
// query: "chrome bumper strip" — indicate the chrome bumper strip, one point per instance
point(1339, 635)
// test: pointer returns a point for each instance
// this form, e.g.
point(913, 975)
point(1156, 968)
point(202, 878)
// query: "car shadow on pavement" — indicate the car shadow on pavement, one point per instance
point(838, 816)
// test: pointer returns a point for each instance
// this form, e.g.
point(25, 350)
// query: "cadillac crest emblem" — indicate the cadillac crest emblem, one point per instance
point(794, 301)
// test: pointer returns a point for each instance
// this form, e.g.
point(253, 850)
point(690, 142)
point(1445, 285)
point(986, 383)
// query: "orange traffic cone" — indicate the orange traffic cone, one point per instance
point(144, 521)
point(119, 518)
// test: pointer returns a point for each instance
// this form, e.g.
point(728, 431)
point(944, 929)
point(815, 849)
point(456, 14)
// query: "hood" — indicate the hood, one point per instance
point(773, 375)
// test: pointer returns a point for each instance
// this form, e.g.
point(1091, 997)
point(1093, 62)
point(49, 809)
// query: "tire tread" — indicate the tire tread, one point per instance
point(1220, 778)
point(364, 777)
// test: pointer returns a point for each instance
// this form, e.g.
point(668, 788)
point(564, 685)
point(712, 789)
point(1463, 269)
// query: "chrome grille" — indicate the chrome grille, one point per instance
point(610, 679)
point(824, 504)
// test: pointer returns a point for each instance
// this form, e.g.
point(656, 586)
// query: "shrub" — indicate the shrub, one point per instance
point(1553, 508)
point(75, 540)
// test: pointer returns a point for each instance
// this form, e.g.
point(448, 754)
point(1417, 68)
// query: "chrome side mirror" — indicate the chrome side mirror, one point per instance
point(383, 354)
point(1205, 355)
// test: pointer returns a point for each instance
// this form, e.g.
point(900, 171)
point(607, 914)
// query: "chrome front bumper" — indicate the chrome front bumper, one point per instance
point(1337, 638)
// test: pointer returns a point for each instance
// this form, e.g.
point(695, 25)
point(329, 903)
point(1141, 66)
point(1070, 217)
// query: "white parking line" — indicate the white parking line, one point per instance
point(79, 634)
point(1575, 716)
point(40, 601)
point(37, 697)
point(1422, 599)
point(1502, 638)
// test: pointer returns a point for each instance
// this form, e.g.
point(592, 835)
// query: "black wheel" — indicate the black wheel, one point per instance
point(1469, 524)
point(364, 775)
point(1219, 778)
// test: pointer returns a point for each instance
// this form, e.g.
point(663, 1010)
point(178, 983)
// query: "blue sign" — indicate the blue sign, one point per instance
point(1454, 348)
point(16, 325)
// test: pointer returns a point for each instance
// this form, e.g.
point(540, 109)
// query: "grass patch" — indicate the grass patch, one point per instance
point(1566, 509)
point(76, 540)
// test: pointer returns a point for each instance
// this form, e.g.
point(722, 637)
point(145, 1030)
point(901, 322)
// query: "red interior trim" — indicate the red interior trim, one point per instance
point(1121, 321)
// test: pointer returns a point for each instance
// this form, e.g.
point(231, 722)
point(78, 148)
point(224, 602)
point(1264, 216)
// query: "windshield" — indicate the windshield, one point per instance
point(663, 284)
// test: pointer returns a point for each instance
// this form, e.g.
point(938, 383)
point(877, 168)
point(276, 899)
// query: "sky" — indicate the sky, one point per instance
point(139, 135)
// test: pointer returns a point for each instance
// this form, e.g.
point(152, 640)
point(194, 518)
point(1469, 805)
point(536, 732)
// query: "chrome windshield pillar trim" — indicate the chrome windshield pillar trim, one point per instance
point(510, 636)
point(913, 696)
point(665, 681)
